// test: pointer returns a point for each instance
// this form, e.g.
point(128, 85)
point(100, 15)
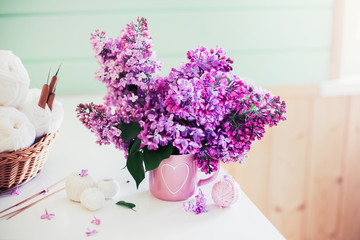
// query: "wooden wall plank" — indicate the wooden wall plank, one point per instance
point(40, 6)
point(289, 152)
point(327, 136)
point(253, 176)
point(75, 77)
point(313, 177)
point(67, 36)
point(78, 74)
point(349, 220)
point(299, 91)
point(337, 39)
point(297, 52)
point(288, 68)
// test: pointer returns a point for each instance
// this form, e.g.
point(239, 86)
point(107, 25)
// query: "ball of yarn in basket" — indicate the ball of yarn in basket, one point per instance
point(14, 79)
point(225, 192)
point(92, 199)
point(16, 131)
point(45, 120)
point(76, 184)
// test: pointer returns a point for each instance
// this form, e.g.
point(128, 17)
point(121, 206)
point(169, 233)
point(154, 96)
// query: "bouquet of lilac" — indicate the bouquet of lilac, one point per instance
point(200, 108)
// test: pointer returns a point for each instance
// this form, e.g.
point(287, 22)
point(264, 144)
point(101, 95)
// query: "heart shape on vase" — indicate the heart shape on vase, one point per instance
point(175, 177)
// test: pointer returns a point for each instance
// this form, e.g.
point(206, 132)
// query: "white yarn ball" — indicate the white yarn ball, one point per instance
point(75, 185)
point(14, 80)
point(45, 120)
point(109, 187)
point(16, 131)
point(92, 199)
point(225, 192)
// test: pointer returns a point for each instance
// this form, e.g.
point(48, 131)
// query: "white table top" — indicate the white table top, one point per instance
point(75, 149)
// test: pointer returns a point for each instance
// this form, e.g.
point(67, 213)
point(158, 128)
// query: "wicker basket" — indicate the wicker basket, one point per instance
point(18, 167)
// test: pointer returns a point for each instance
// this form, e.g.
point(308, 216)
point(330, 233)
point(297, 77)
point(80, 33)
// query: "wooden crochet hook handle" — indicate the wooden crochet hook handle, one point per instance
point(44, 93)
point(50, 100)
point(44, 96)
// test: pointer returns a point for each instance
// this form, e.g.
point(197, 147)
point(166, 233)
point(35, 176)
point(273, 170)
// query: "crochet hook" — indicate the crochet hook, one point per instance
point(44, 93)
point(53, 81)
point(51, 98)
point(52, 89)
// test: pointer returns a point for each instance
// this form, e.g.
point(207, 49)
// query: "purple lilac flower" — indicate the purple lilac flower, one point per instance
point(229, 113)
point(84, 173)
point(199, 206)
point(200, 108)
point(103, 123)
point(47, 215)
point(128, 67)
point(96, 221)
point(90, 233)
point(15, 191)
point(45, 190)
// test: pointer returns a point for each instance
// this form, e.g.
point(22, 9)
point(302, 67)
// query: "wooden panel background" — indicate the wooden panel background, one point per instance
point(276, 42)
point(305, 174)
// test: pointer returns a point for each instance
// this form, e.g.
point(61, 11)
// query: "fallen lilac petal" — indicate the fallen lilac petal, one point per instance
point(47, 215)
point(90, 233)
point(188, 206)
point(45, 190)
point(16, 191)
point(199, 206)
point(84, 173)
point(96, 221)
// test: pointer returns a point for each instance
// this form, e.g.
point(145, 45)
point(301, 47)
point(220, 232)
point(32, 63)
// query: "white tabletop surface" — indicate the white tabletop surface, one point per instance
point(75, 149)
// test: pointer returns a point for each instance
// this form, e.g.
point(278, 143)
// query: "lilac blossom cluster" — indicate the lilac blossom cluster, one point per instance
point(102, 123)
point(200, 108)
point(128, 68)
point(210, 112)
point(199, 206)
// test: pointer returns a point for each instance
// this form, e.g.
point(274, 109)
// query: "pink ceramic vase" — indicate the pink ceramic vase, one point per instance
point(176, 178)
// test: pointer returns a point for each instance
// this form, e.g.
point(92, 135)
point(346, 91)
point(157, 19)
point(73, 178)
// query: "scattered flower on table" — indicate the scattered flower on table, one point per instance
point(199, 206)
point(84, 173)
point(16, 191)
point(45, 190)
point(90, 233)
point(47, 215)
point(96, 221)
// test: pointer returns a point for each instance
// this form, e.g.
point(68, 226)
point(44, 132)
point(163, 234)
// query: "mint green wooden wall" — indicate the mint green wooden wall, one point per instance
point(273, 42)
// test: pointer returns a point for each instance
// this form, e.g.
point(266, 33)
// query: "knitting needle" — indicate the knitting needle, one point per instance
point(16, 212)
point(31, 197)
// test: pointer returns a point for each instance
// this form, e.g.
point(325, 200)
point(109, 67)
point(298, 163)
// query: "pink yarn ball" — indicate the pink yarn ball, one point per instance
point(225, 192)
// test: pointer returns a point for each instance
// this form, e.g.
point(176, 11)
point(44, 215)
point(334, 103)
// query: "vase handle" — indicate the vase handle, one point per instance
point(209, 179)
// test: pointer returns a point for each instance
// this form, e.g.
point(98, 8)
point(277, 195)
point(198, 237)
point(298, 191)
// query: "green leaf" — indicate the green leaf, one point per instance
point(135, 146)
point(153, 158)
point(135, 165)
point(129, 130)
point(252, 108)
point(126, 204)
